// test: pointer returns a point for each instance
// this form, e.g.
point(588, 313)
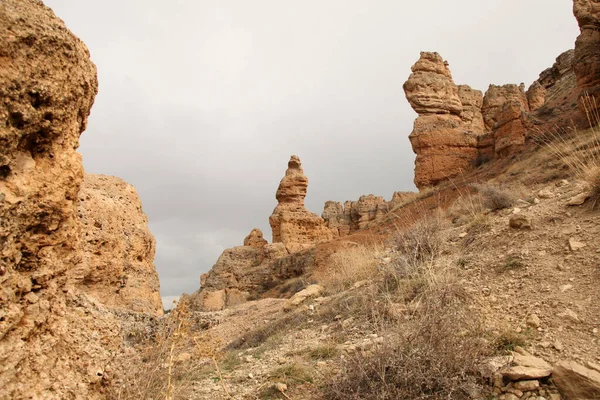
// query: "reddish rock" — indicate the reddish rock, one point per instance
point(587, 58)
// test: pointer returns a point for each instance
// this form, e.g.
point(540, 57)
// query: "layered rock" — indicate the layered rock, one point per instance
point(47, 87)
point(504, 112)
point(458, 128)
point(292, 224)
point(343, 220)
point(586, 57)
point(444, 136)
point(118, 249)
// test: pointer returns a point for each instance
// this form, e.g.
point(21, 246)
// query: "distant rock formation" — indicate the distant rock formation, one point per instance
point(239, 272)
point(458, 128)
point(586, 57)
point(343, 220)
point(118, 249)
point(292, 224)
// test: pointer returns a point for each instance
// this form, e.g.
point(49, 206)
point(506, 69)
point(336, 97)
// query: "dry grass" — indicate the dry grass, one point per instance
point(580, 151)
point(433, 340)
point(351, 265)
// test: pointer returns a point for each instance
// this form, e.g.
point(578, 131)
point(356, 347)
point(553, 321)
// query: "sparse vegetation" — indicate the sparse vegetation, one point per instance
point(508, 340)
point(511, 263)
point(493, 197)
point(352, 264)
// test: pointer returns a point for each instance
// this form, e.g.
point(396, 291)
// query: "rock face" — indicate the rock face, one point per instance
point(586, 57)
point(292, 224)
point(503, 110)
point(47, 87)
point(118, 249)
point(458, 127)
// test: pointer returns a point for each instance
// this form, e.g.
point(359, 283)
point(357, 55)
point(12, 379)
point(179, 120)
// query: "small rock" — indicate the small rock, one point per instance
point(558, 346)
point(250, 375)
point(579, 199)
point(564, 288)
point(281, 360)
point(575, 245)
point(281, 387)
point(545, 194)
point(526, 386)
point(462, 235)
point(510, 396)
point(536, 201)
point(570, 315)
point(520, 222)
point(534, 321)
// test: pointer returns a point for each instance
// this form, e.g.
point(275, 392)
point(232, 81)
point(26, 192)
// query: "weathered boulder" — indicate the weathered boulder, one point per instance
point(117, 265)
point(430, 88)
point(587, 58)
point(576, 382)
point(292, 224)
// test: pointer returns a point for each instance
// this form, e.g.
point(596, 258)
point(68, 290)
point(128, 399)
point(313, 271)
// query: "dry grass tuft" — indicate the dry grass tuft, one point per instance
point(494, 198)
point(351, 265)
point(433, 341)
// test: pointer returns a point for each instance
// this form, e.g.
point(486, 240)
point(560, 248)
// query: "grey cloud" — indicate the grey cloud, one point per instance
point(202, 102)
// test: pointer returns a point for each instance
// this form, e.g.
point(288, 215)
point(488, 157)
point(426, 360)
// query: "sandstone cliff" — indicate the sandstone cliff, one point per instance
point(117, 264)
point(292, 224)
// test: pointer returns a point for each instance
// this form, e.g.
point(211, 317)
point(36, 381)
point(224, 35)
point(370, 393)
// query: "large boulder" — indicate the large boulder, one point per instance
point(117, 264)
point(576, 382)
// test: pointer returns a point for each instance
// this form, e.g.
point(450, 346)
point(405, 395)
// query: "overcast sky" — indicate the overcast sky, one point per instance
point(201, 103)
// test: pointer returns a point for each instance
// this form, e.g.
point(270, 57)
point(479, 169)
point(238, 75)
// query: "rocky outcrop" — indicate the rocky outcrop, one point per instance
point(239, 272)
point(458, 128)
point(353, 216)
point(445, 135)
point(586, 57)
point(117, 264)
point(47, 87)
point(292, 224)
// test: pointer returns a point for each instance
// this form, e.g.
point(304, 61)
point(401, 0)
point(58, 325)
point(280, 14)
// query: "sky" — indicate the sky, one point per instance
point(202, 102)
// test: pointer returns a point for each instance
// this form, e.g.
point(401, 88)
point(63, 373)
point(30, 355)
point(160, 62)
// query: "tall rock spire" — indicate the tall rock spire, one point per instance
point(292, 224)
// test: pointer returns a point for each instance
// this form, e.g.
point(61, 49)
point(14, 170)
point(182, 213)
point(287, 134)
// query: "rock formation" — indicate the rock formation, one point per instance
point(238, 272)
point(458, 127)
point(57, 340)
point(586, 57)
point(445, 135)
point(47, 86)
point(118, 249)
point(346, 219)
point(292, 224)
